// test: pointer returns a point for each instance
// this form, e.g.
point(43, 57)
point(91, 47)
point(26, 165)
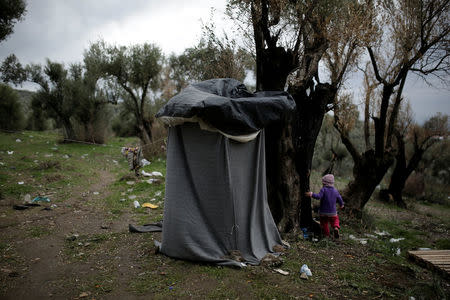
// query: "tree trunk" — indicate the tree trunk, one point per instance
point(403, 170)
point(69, 132)
point(145, 135)
point(368, 172)
point(309, 116)
point(282, 179)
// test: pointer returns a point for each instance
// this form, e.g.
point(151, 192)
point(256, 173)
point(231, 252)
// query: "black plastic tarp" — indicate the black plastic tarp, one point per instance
point(227, 105)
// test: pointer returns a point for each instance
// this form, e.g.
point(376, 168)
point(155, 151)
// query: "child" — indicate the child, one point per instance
point(328, 196)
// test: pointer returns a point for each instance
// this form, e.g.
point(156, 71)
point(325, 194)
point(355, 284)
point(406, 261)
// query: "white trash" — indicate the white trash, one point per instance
point(382, 233)
point(10, 152)
point(156, 173)
point(18, 140)
point(392, 240)
point(145, 173)
point(145, 162)
point(136, 204)
point(306, 270)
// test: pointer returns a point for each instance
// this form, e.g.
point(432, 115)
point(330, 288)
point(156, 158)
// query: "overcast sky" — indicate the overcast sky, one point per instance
point(62, 30)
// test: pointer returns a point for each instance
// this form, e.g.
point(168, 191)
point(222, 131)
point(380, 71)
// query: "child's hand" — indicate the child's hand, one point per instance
point(309, 194)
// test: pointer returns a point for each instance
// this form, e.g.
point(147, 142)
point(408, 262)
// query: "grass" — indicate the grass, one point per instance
point(69, 171)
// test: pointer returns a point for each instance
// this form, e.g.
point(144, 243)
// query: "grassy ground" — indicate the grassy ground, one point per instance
point(81, 247)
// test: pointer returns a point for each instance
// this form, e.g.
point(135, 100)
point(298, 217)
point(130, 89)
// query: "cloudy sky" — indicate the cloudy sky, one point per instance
point(62, 30)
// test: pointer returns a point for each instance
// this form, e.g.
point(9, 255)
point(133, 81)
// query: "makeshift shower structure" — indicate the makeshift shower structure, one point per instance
point(215, 206)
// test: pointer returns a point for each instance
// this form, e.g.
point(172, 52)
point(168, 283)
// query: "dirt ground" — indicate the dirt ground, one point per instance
point(82, 249)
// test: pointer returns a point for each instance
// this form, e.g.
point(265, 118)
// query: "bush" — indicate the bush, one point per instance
point(11, 114)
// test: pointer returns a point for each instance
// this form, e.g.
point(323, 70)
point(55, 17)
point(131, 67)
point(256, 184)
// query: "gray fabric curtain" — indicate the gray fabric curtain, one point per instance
point(216, 198)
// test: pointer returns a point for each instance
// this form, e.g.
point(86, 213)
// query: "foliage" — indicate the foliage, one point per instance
point(11, 12)
point(11, 115)
point(212, 57)
point(134, 74)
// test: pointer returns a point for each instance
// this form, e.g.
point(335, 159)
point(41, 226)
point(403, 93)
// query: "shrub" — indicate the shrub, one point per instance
point(11, 115)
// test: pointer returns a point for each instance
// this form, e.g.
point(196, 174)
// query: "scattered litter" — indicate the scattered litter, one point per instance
point(281, 272)
point(156, 173)
point(286, 244)
point(392, 240)
point(66, 156)
point(130, 190)
point(55, 148)
point(306, 270)
point(145, 162)
point(152, 227)
point(361, 240)
point(1, 164)
point(27, 198)
point(10, 152)
point(18, 140)
point(136, 204)
point(153, 199)
point(31, 136)
point(130, 182)
point(315, 240)
point(149, 205)
point(382, 233)
point(132, 197)
point(151, 181)
point(53, 206)
point(48, 155)
point(20, 182)
point(122, 199)
point(145, 173)
point(303, 276)
point(73, 237)
point(39, 198)
point(305, 233)
point(371, 236)
point(115, 162)
point(96, 193)
point(158, 193)
point(398, 252)
point(20, 207)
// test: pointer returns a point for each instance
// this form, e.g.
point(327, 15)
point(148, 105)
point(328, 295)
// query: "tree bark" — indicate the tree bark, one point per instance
point(403, 170)
point(69, 132)
point(368, 172)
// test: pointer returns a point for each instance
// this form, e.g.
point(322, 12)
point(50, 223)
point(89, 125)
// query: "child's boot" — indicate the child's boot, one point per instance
point(336, 233)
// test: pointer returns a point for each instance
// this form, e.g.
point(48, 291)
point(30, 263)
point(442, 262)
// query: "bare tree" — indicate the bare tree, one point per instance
point(414, 38)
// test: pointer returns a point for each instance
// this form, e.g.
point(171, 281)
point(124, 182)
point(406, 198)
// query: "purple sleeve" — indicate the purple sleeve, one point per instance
point(319, 195)
point(339, 199)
